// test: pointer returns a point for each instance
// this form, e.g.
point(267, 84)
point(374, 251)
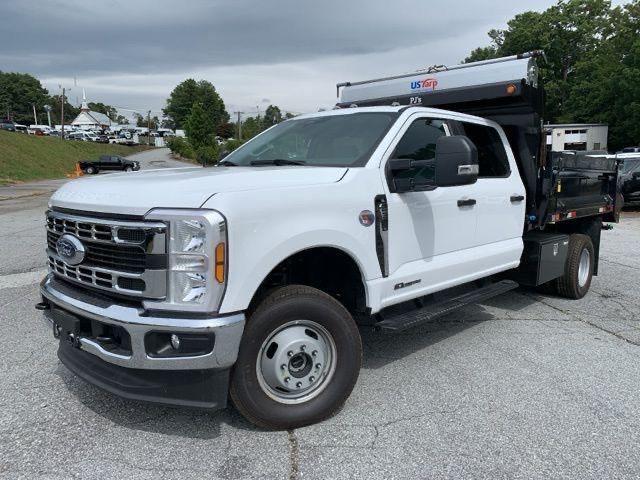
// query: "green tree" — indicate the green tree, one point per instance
point(18, 93)
point(272, 116)
point(70, 112)
point(189, 92)
point(592, 68)
point(226, 130)
point(100, 107)
point(200, 128)
point(251, 127)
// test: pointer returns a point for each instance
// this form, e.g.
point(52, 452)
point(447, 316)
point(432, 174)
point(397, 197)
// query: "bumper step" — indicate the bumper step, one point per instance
point(406, 320)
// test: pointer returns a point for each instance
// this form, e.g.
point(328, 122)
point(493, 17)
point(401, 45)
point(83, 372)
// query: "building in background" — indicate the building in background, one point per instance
point(90, 120)
point(577, 136)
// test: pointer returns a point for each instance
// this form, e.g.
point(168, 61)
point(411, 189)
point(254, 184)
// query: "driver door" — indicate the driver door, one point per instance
point(430, 233)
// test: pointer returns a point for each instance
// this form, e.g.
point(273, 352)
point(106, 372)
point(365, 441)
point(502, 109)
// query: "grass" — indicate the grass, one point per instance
point(27, 157)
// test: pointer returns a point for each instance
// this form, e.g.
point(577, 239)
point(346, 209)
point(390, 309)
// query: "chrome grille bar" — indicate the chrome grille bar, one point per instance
point(117, 253)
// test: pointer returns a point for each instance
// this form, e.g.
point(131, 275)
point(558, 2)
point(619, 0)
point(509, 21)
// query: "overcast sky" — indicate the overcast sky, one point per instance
point(131, 54)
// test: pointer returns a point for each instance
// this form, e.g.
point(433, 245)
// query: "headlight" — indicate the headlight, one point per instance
point(197, 250)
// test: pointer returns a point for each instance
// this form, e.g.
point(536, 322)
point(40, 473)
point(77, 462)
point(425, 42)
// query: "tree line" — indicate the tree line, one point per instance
point(592, 72)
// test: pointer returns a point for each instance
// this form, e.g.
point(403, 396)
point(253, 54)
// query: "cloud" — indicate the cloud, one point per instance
point(288, 52)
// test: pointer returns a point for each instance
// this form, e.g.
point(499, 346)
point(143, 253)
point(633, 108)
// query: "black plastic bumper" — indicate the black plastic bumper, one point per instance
point(187, 388)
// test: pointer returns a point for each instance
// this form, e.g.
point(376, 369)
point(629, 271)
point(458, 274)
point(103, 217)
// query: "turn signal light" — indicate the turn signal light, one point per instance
point(220, 262)
point(511, 89)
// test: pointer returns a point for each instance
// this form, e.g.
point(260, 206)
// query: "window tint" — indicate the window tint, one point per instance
point(419, 143)
point(492, 157)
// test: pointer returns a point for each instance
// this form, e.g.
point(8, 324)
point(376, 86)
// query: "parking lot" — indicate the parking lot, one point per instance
point(523, 386)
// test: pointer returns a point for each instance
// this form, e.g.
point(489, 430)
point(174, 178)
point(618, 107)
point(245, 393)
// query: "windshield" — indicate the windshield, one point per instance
point(630, 164)
point(330, 141)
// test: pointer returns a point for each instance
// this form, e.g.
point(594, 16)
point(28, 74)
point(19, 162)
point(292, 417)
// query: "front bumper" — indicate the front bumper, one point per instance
point(134, 372)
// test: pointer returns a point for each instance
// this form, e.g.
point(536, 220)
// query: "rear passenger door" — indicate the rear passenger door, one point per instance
point(500, 191)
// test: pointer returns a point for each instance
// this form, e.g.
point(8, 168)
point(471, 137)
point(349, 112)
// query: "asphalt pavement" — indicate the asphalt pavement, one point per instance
point(523, 386)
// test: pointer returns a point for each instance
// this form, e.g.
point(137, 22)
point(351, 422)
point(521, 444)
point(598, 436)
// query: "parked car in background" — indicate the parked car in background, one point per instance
point(83, 136)
point(630, 150)
point(109, 163)
point(20, 128)
point(45, 129)
point(102, 139)
point(630, 178)
point(7, 125)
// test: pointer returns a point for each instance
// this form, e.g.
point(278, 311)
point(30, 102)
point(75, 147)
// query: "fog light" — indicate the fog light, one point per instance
point(175, 341)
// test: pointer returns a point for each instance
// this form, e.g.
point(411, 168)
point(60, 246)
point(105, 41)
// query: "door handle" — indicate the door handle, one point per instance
point(517, 198)
point(466, 202)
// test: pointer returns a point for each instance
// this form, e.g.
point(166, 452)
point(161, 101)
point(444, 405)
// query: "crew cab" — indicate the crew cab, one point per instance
point(109, 163)
point(251, 279)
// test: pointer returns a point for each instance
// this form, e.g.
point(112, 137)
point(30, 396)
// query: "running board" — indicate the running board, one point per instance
point(404, 321)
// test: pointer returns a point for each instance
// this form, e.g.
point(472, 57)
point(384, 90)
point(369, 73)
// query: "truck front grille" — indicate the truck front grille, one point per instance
point(128, 258)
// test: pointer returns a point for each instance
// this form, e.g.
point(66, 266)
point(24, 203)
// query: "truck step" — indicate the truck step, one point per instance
point(406, 320)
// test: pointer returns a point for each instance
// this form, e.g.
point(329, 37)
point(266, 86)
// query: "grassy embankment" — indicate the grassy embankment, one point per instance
point(26, 157)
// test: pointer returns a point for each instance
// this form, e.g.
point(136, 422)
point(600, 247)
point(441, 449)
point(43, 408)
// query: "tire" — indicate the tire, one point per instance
point(283, 316)
point(91, 170)
point(576, 280)
point(128, 169)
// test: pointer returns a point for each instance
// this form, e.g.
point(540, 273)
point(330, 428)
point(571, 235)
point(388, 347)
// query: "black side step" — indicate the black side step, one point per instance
point(403, 321)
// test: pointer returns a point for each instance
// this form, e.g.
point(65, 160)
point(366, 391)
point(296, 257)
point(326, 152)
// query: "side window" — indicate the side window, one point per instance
point(492, 157)
point(419, 143)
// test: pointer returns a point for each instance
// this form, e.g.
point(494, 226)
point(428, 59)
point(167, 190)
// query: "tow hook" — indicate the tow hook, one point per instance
point(42, 306)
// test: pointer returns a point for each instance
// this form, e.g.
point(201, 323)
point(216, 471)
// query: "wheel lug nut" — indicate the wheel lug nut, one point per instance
point(312, 379)
point(299, 384)
point(283, 366)
point(287, 380)
point(314, 353)
point(318, 365)
point(289, 353)
point(303, 348)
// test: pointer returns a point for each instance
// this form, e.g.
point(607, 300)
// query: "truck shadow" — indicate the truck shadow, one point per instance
point(380, 349)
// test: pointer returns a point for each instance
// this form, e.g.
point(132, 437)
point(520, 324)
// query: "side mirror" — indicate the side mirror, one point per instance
point(456, 161)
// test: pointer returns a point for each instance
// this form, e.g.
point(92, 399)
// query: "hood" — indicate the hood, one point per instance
point(135, 193)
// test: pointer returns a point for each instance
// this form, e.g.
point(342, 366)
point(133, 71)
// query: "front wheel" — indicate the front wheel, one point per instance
point(299, 359)
point(91, 170)
point(578, 270)
point(128, 169)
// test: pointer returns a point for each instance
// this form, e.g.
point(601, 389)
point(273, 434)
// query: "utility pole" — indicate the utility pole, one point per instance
point(62, 114)
point(239, 125)
point(35, 117)
point(149, 127)
point(48, 109)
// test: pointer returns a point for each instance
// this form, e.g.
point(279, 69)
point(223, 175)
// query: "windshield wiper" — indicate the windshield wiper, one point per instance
point(227, 163)
point(276, 161)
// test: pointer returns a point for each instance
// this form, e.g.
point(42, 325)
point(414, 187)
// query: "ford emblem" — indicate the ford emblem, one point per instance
point(70, 249)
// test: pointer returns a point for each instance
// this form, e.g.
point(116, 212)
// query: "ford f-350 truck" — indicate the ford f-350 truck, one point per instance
point(250, 279)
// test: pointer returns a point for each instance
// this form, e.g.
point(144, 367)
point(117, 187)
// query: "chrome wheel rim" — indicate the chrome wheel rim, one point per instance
point(583, 267)
point(296, 362)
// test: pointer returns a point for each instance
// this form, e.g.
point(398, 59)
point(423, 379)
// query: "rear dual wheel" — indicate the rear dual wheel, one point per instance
point(578, 270)
point(299, 359)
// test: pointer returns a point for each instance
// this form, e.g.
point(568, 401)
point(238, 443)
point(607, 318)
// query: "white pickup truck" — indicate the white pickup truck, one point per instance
point(252, 278)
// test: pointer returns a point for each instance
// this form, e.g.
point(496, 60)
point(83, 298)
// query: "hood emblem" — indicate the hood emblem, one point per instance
point(70, 249)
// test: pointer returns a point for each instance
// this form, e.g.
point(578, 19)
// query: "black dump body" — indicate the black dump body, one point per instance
point(559, 187)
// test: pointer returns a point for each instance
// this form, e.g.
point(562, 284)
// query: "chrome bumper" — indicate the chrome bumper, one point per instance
point(227, 330)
